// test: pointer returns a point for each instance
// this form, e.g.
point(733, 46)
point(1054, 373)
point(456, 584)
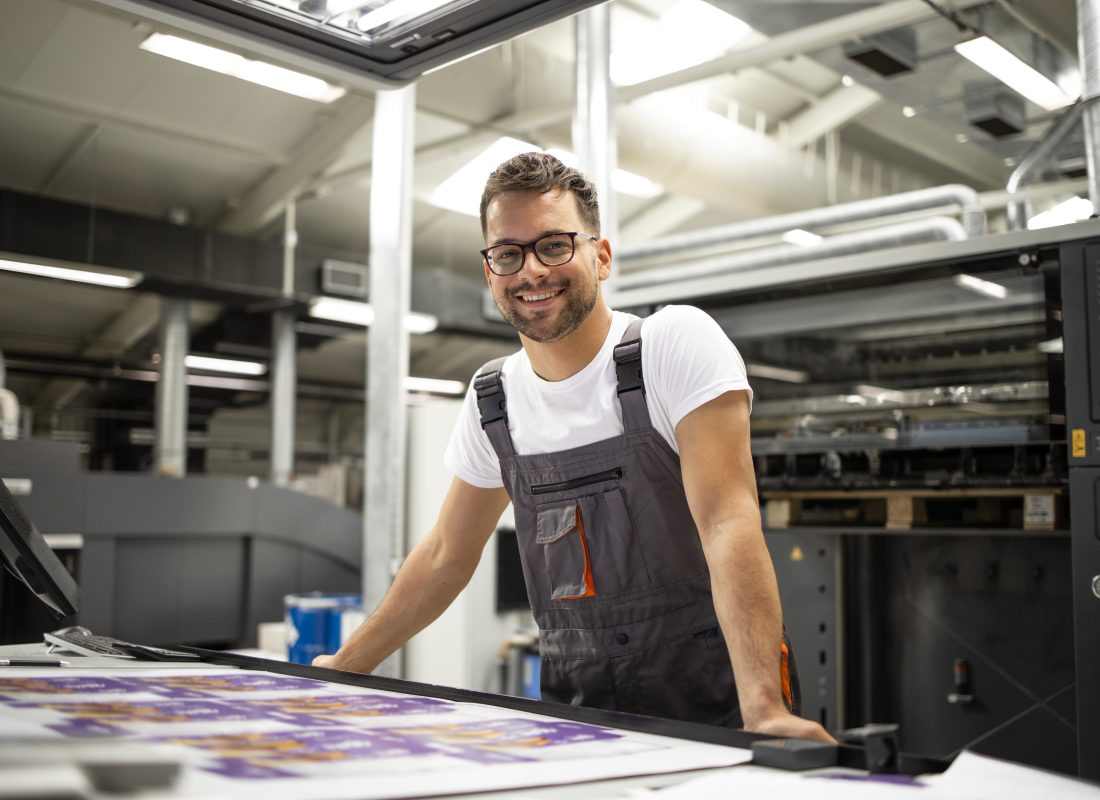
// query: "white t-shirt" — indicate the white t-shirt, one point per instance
point(687, 360)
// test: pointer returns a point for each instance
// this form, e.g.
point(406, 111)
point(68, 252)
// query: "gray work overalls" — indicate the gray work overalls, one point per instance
point(614, 567)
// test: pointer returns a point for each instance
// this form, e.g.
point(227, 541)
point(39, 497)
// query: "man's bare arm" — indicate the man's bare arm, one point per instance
point(433, 574)
point(721, 492)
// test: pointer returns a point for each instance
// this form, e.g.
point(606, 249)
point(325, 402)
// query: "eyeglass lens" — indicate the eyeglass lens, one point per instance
point(553, 250)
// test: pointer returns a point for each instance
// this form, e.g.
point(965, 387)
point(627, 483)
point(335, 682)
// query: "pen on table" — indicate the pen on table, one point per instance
point(33, 662)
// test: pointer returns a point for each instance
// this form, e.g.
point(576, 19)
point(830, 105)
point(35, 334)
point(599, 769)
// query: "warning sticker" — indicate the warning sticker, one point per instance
point(1078, 443)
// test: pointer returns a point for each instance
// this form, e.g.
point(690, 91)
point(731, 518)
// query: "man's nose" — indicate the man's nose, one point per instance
point(531, 262)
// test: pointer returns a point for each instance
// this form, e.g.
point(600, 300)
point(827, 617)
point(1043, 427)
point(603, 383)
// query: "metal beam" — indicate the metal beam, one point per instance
point(318, 150)
point(828, 113)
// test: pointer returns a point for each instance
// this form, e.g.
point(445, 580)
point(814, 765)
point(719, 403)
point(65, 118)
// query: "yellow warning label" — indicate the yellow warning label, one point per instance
point(796, 554)
point(1079, 443)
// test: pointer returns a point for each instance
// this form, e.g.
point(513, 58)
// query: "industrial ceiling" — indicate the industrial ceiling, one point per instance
point(91, 122)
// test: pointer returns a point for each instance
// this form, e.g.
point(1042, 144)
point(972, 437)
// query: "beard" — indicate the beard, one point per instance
point(550, 325)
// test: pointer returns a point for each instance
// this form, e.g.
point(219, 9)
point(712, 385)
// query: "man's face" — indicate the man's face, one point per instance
point(543, 303)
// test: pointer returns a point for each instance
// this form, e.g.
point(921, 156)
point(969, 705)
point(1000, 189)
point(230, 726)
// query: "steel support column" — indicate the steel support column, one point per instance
point(1088, 46)
point(284, 367)
point(170, 452)
point(594, 115)
point(388, 347)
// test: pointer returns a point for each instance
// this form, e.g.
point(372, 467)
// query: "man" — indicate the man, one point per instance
point(624, 449)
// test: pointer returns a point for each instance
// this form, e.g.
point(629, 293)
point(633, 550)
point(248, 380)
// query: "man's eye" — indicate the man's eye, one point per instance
point(505, 255)
point(554, 247)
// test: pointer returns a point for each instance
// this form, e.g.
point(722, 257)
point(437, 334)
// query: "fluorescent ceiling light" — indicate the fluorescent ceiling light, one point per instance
point(687, 34)
point(880, 394)
point(230, 365)
point(377, 17)
point(462, 191)
point(982, 287)
point(777, 373)
point(1052, 346)
point(1014, 73)
point(356, 313)
point(67, 271)
point(434, 385)
point(622, 181)
point(1069, 211)
point(801, 237)
point(260, 72)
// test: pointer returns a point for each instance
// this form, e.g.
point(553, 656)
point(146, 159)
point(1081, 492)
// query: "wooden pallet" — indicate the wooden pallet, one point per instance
point(904, 509)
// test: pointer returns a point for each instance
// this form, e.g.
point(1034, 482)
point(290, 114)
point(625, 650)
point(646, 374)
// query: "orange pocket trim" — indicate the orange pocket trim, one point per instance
point(589, 585)
point(785, 674)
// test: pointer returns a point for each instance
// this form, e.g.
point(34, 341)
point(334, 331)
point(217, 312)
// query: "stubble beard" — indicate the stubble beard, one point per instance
point(542, 327)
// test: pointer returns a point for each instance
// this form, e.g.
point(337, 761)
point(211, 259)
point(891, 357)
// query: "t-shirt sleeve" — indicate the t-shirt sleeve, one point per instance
point(690, 359)
point(469, 455)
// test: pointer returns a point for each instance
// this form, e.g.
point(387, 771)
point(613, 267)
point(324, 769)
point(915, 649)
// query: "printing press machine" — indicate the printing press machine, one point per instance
point(926, 435)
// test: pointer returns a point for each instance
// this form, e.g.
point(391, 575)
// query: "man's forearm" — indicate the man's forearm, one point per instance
point(746, 599)
point(428, 581)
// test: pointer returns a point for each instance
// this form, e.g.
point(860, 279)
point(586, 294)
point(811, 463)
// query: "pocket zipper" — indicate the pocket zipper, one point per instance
point(576, 483)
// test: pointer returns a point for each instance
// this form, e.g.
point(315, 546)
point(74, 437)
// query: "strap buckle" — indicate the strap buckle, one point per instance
point(490, 398)
point(628, 366)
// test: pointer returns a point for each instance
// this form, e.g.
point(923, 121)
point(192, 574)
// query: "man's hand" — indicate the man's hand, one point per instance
point(786, 725)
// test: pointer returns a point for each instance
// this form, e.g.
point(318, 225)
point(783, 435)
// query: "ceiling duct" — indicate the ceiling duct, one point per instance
point(999, 113)
point(888, 53)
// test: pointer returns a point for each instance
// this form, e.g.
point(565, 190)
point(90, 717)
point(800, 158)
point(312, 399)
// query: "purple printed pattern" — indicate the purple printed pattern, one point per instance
point(324, 709)
point(11, 688)
point(182, 686)
point(114, 719)
point(276, 755)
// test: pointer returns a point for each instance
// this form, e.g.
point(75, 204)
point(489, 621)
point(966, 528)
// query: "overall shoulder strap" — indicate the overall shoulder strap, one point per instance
point(628, 369)
point(492, 407)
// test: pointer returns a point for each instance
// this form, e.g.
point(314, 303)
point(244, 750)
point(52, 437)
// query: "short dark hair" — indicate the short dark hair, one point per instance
point(542, 172)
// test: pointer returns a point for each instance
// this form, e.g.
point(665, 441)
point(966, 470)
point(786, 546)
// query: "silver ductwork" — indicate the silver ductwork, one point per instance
point(973, 216)
point(1088, 51)
point(1037, 158)
point(925, 230)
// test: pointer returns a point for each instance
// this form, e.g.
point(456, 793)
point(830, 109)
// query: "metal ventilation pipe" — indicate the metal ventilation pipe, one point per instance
point(973, 216)
point(9, 406)
point(933, 228)
point(1037, 158)
point(1088, 50)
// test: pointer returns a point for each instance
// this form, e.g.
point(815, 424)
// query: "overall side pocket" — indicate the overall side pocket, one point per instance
point(560, 532)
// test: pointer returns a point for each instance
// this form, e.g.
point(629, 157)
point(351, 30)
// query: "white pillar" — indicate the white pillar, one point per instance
point(170, 452)
point(388, 346)
point(284, 366)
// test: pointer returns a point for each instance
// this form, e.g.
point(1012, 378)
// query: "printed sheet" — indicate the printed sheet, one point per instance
point(255, 734)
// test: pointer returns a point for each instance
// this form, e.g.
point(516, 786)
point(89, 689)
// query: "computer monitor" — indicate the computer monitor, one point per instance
point(26, 555)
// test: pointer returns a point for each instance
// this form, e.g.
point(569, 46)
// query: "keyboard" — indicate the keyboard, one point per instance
point(88, 644)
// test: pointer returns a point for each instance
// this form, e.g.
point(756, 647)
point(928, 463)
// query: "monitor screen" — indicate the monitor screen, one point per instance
point(26, 555)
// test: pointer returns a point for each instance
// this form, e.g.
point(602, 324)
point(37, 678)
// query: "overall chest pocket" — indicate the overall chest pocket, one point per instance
point(590, 547)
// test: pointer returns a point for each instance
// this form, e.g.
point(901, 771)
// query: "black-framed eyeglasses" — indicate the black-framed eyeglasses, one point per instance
point(551, 250)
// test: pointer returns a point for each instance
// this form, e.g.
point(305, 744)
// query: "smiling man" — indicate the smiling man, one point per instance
point(624, 449)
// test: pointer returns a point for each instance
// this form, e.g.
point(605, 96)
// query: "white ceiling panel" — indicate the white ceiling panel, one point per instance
point(34, 143)
point(27, 25)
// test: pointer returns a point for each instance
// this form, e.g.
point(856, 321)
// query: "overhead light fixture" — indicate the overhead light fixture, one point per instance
point(434, 386)
point(1014, 73)
point(687, 34)
point(801, 237)
point(1052, 346)
point(1067, 212)
point(228, 365)
point(355, 313)
point(69, 271)
point(880, 394)
point(908, 112)
point(237, 66)
point(623, 181)
point(461, 192)
point(982, 287)
point(777, 373)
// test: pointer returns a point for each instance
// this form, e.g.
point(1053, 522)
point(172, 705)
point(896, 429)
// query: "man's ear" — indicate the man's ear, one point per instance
point(603, 256)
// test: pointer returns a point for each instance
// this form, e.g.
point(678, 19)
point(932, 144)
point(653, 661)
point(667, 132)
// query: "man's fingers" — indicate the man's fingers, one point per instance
point(323, 661)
